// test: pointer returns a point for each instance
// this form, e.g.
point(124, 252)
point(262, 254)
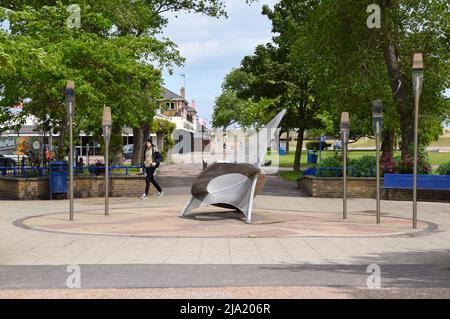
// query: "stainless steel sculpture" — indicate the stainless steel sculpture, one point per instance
point(234, 185)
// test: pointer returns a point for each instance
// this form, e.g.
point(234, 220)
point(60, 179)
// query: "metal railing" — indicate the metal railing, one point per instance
point(31, 171)
point(24, 171)
point(100, 170)
point(336, 170)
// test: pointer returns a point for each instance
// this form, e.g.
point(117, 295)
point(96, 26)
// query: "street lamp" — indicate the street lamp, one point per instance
point(377, 127)
point(107, 123)
point(204, 163)
point(345, 131)
point(225, 145)
point(70, 103)
point(417, 77)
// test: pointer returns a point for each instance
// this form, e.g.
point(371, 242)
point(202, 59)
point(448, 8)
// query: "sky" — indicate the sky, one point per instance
point(213, 47)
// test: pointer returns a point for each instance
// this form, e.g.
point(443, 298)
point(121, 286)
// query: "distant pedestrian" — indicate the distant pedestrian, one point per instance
point(150, 162)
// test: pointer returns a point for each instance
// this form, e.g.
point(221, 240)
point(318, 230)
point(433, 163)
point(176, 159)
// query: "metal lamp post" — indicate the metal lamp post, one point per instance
point(70, 101)
point(377, 127)
point(204, 164)
point(107, 123)
point(224, 145)
point(417, 77)
point(345, 131)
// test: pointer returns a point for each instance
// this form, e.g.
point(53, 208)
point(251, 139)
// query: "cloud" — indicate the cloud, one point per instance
point(212, 47)
point(209, 50)
point(205, 39)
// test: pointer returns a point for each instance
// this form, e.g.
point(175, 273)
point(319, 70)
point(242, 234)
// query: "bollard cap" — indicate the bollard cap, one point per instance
point(70, 91)
point(377, 109)
point(418, 62)
point(107, 119)
point(345, 122)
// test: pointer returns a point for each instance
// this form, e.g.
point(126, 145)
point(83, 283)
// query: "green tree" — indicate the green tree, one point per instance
point(271, 79)
point(107, 71)
point(354, 65)
point(227, 109)
point(114, 58)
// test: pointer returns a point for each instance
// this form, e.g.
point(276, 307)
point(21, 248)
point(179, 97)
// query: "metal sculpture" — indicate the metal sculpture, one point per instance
point(234, 185)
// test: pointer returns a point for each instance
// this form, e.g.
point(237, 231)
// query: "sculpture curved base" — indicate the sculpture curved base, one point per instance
point(227, 185)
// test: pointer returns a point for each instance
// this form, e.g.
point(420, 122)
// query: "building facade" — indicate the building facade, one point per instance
point(172, 107)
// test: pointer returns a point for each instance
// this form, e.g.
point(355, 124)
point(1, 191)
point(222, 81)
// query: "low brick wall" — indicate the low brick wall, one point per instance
point(13, 188)
point(119, 186)
point(364, 187)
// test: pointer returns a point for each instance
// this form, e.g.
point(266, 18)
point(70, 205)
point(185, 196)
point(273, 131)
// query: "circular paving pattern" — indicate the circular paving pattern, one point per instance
point(217, 222)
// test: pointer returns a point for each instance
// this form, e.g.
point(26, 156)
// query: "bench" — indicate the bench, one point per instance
point(405, 181)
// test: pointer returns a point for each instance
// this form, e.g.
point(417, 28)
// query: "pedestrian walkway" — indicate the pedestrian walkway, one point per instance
point(299, 243)
point(211, 222)
point(222, 239)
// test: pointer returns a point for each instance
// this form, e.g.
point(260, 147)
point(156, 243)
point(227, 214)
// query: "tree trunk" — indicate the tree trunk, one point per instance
point(116, 147)
point(139, 136)
point(61, 151)
point(407, 134)
point(387, 144)
point(403, 109)
point(398, 88)
point(298, 150)
point(287, 142)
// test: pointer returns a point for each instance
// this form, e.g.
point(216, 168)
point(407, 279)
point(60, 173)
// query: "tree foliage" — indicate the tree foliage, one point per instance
point(115, 59)
point(355, 65)
point(271, 79)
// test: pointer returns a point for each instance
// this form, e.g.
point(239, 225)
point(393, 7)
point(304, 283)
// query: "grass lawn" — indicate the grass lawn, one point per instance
point(435, 158)
point(362, 142)
point(291, 176)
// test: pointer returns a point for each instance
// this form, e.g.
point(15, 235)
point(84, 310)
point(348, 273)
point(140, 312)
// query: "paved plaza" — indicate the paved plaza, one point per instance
point(295, 241)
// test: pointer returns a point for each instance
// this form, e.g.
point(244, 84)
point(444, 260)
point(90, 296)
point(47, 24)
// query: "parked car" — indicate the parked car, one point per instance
point(7, 162)
point(337, 145)
point(128, 151)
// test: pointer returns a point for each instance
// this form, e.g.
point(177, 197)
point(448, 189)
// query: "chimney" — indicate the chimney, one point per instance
point(194, 104)
point(183, 92)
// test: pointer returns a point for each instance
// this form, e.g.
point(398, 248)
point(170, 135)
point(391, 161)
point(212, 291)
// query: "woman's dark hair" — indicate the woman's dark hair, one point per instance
point(150, 141)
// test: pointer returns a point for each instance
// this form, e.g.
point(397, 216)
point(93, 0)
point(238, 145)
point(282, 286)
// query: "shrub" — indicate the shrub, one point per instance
point(444, 169)
point(388, 164)
point(315, 146)
point(333, 161)
point(365, 166)
point(406, 165)
point(31, 174)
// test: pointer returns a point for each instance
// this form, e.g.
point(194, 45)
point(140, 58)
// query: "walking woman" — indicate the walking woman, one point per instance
point(150, 162)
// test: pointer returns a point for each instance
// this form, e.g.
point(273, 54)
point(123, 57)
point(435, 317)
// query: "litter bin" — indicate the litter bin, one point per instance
point(282, 151)
point(312, 157)
point(58, 178)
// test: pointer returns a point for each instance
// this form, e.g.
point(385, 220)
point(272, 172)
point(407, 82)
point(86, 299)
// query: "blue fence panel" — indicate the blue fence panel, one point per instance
point(310, 172)
point(405, 181)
